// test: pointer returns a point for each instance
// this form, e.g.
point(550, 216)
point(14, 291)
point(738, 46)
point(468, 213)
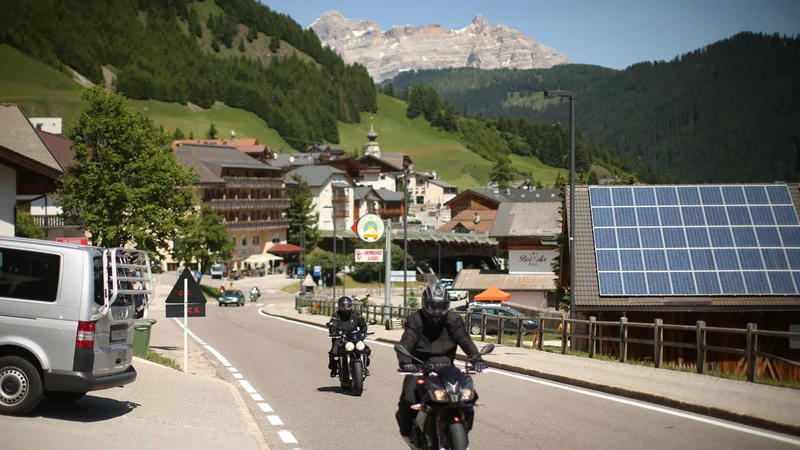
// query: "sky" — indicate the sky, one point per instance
point(609, 33)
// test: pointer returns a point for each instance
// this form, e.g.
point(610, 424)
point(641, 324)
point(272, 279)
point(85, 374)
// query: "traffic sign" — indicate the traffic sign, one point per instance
point(397, 276)
point(196, 302)
point(317, 271)
point(369, 227)
point(369, 255)
point(459, 266)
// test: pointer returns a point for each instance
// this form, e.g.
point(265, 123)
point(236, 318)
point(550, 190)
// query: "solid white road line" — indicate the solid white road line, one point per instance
point(286, 437)
point(651, 407)
point(275, 420)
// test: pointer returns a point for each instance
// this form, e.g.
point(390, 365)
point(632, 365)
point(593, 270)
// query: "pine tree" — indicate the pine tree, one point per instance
point(241, 45)
point(593, 178)
point(212, 132)
point(178, 135)
point(194, 23)
point(301, 212)
point(215, 45)
point(273, 44)
point(191, 135)
point(210, 22)
point(502, 172)
point(252, 34)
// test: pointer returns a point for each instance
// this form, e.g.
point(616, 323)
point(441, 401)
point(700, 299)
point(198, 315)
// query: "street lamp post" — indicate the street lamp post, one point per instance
point(333, 207)
point(571, 96)
point(405, 237)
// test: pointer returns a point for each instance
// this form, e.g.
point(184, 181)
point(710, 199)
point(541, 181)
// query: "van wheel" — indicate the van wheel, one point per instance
point(63, 397)
point(20, 386)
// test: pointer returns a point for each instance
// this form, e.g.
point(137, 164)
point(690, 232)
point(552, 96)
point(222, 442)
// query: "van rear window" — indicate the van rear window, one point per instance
point(29, 275)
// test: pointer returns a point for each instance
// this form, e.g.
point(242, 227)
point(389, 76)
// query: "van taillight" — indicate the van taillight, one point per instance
point(85, 338)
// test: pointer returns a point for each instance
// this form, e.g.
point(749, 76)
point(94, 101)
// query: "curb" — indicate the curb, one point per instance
point(711, 411)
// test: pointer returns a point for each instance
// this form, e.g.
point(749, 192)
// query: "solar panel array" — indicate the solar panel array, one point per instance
point(696, 240)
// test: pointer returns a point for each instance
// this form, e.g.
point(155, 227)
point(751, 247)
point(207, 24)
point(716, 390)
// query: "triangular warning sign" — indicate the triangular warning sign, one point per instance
point(196, 296)
point(355, 227)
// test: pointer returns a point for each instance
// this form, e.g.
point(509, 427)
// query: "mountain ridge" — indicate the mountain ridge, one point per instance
point(404, 48)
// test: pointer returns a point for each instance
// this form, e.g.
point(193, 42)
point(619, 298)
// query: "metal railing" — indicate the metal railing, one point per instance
point(253, 182)
point(483, 323)
point(267, 224)
point(54, 222)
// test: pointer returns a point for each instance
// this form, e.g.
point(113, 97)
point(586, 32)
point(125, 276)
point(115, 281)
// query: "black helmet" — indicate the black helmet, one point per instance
point(345, 304)
point(435, 302)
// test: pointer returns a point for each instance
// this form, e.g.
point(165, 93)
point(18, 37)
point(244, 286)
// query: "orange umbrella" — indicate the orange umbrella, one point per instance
point(492, 294)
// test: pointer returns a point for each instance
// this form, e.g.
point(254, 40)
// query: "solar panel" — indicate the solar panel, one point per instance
point(696, 240)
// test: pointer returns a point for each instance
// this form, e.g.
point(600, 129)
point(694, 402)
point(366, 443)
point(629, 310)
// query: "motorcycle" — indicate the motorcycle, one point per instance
point(447, 396)
point(254, 296)
point(351, 360)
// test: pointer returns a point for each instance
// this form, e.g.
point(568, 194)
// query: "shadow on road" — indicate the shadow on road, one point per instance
point(336, 389)
point(166, 348)
point(87, 409)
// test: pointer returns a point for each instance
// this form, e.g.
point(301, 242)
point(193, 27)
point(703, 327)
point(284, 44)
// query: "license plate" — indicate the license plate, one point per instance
point(118, 335)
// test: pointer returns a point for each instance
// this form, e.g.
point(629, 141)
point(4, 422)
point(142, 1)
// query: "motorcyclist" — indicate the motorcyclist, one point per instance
point(255, 292)
point(432, 331)
point(345, 319)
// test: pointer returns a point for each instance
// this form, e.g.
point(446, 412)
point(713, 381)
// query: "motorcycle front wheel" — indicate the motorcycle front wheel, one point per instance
point(458, 436)
point(358, 378)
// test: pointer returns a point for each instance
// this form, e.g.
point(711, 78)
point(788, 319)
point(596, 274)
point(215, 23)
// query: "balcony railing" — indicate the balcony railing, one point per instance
point(253, 182)
point(342, 214)
point(249, 225)
point(254, 203)
point(339, 199)
point(54, 222)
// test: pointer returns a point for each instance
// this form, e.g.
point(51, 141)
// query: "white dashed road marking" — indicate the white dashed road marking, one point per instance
point(286, 436)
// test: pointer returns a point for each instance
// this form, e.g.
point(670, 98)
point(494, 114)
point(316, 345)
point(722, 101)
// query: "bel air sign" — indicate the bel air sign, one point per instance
point(530, 261)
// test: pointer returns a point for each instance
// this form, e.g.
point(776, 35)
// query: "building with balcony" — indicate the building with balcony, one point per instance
point(27, 166)
point(385, 203)
point(247, 193)
point(333, 195)
point(361, 174)
point(250, 147)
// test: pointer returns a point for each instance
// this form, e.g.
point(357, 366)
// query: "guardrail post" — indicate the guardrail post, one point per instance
point(592, 326)
point(483, 325)
point(701, 347)
point(658, 339)
point(563, 335)
point(623, 339)
point(752, 341)
point(540, 332)
point(519, 331)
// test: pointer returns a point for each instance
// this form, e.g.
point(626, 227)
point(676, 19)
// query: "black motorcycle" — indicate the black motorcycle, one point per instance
point(351, 360)
point(447, 398)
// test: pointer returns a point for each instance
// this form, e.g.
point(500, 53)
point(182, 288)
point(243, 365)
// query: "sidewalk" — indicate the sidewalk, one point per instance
point(150, 413)
point(753, 404)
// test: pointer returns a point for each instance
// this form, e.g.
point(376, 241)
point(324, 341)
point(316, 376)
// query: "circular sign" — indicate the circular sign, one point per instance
point(370, 227)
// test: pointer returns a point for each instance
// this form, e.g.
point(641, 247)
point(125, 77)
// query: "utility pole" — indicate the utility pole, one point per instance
point(334, 252)
point(387, 299)
point(405, 237)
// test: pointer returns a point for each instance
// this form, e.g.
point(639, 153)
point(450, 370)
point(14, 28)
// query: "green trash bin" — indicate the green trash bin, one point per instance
point(141, 337)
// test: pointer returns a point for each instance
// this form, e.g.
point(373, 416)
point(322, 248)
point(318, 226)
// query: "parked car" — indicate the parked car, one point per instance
point(446, 282)
point(231, 297)
point(66, 320)
point(506, 315)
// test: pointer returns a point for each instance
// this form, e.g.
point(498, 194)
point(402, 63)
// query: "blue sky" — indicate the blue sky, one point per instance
point(610, 33)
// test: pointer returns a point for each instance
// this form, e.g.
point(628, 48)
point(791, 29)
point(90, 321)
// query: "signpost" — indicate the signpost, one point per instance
point(178, 304)
point(317, 271)
point(369, 228)
point(397, 276)
point(373, 255)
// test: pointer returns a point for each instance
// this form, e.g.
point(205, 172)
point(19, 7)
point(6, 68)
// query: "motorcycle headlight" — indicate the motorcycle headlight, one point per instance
point(439, 395)
point(360, 346)
point(349, 346)
point(466, 394)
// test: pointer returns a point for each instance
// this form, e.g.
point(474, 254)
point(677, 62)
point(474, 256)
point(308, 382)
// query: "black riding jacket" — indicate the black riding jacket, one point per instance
point(425, 340)
point(355, 321)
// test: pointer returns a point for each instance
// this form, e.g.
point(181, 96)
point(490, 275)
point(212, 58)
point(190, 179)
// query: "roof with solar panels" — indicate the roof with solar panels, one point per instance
point(687, 246)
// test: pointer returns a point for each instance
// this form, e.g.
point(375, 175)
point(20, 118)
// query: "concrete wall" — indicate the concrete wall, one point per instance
point(529, 298)
point(51, 125)
point(8, 185)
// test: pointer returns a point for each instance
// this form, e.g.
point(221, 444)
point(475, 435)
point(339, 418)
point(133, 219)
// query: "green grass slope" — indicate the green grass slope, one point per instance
point(44, 91)
point(431, 149)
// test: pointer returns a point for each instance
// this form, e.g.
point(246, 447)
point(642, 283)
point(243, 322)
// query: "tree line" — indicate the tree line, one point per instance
point(156, 60)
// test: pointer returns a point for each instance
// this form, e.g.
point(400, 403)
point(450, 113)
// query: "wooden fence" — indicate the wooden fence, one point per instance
point(483, 323)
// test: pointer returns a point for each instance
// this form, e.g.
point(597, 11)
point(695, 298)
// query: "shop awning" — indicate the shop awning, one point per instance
point(280, 249)
point(262, 258)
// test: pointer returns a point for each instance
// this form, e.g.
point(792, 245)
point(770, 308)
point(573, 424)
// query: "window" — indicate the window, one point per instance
point(256, 240)
point(29, 275)
point(244, 241)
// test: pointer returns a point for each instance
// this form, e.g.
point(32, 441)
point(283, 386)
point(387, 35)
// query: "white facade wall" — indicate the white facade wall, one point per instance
point(52, 125)
point(8, 202)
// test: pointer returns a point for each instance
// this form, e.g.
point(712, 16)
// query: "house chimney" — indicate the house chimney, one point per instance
point(508, 191)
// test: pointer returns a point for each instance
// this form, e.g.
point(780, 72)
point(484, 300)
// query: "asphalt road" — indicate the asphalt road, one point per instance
point(286, 363)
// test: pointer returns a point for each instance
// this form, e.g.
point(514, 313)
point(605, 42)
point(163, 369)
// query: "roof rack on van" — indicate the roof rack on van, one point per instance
point(127, 273)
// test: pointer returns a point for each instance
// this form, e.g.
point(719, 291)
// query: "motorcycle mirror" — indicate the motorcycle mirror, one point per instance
point(373, 322)
point(489, 348)
point(400, 349)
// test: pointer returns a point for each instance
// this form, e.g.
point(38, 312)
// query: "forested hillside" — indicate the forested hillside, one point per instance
point(724, 113)
point(500, 92)
point(155, 59)
point(729, 112)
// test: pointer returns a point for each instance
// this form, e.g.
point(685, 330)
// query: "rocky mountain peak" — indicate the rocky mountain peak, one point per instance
point(403, 48)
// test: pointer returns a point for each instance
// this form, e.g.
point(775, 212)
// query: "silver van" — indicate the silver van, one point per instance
point(66, 319)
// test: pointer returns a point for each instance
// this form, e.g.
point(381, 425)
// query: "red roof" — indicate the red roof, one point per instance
point(59, 146)
point(285, 248)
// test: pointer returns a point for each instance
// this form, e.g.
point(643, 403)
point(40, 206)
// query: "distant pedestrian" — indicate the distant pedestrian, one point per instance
point(222, 289)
